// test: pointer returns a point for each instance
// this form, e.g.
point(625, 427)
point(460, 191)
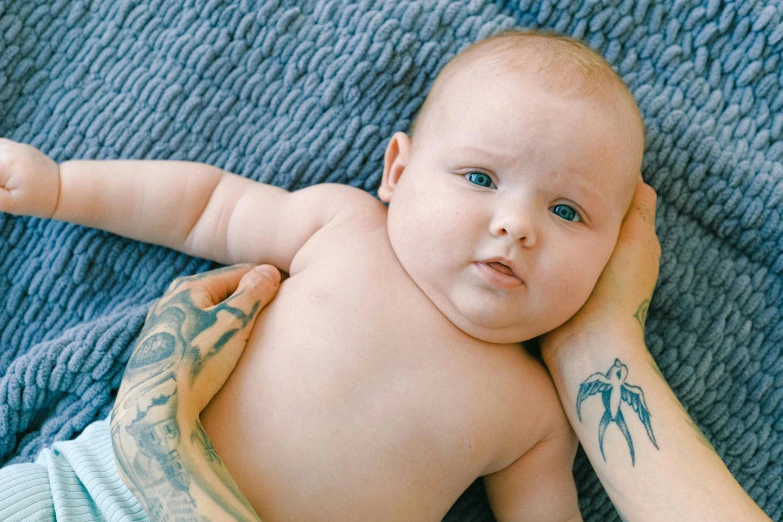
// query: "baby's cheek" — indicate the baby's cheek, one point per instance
point(587, 271)
point(572, 285)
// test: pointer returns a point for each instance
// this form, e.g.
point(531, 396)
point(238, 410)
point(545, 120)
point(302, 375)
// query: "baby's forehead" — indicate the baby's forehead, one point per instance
point(472, 80)
point(562, 66)
point(504, 108)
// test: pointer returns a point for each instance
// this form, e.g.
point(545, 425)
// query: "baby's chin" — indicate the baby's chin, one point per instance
point(513, 334)
point(490, 328)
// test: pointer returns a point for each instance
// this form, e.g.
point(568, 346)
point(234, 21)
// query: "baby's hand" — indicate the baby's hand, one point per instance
point(29, 180)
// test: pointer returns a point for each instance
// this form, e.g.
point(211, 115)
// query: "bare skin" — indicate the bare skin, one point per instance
point(395, 403)
point(371, 388)
point(386, 376)
point(192, 339)
point(420, 417)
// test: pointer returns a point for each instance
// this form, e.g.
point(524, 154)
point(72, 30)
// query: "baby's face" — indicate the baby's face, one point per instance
point(506, 169)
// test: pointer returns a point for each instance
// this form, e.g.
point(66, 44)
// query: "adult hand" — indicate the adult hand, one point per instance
point(624, 289)
point(190, 343)
point(194, 336)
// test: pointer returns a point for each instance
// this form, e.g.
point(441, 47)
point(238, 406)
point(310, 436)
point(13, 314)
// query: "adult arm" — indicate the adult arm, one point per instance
point(190, 343)
point(652, 460)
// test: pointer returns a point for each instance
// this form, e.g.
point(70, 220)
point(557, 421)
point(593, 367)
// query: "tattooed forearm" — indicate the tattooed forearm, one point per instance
point(151, 459)
point(171, 466)
point(614, 391)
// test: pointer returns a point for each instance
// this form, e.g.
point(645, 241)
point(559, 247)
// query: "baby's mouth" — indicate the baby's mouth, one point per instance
point(498, 274)
point(500, 267)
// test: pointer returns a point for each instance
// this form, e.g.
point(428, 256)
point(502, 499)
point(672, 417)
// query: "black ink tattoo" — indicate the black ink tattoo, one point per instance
point(149, 443)
point(154, 349)
point(641, 313)
point(200, 436)
point(156, 432)
point(614, 391)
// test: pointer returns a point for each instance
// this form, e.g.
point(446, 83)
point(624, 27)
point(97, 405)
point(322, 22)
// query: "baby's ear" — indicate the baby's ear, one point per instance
point(394, 162)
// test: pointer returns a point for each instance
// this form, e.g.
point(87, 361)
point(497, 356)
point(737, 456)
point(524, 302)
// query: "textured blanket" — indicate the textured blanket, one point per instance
point(296, 93)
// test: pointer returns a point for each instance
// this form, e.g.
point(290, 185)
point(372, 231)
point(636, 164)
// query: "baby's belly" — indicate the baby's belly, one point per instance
point(315, 425)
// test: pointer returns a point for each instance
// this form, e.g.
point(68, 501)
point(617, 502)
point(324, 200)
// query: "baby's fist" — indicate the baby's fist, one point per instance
point(29, 180)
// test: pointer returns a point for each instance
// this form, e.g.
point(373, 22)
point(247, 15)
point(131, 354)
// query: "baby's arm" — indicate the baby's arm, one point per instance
point(539, 486)
point(191, 207)
point(196, 208)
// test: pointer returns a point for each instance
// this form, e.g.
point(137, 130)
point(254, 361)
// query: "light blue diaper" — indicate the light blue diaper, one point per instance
point(73, 481)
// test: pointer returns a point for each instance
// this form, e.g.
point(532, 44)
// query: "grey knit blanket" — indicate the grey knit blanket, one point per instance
point(296, 93)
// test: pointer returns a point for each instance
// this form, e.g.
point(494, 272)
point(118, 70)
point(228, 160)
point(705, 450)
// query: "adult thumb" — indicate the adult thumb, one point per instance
point(258, 285)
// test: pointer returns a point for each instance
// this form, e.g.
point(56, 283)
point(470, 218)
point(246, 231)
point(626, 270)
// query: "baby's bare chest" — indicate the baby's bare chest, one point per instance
point(353, 399)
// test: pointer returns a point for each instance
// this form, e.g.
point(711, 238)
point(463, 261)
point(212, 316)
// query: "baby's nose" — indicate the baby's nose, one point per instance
point(516, 225)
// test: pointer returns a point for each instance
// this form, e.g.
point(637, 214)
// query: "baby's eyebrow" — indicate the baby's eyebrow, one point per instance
point(485, 152)
point(589, 190)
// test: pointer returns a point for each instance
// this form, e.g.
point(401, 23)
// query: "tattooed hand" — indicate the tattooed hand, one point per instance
point(190, 343)
point(624, 290)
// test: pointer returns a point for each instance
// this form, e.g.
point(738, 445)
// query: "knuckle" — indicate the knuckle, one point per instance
point(647, 215)
point(256, 279)
point(269, 277)
point(176, 283)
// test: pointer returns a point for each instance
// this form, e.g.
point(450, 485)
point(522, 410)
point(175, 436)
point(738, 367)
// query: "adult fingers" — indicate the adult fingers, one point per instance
point(642, 206)
point(211, 288)
point(223, 341)
point(632, 270)
point(638, 228)
point(255, 290)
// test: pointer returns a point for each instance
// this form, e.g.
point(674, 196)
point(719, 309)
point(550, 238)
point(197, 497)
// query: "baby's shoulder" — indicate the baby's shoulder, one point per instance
point(354, 211)
point(355, 206)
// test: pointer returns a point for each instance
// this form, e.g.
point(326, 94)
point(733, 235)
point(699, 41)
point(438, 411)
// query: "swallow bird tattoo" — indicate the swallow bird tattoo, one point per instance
point(614, 391)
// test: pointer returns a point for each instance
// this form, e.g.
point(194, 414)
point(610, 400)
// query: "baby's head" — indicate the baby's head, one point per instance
point(527, 149)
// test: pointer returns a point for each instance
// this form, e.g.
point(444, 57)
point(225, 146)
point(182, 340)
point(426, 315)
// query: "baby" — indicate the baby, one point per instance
point(387, 374)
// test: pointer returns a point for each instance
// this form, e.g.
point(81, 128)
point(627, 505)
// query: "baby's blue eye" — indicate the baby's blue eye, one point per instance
point(567, 213)
point(479, 178)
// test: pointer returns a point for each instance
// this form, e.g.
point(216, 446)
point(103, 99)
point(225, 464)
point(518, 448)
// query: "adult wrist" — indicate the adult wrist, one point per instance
point(587, 341)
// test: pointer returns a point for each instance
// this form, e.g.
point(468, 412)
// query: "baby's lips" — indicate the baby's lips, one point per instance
point(500, 267)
